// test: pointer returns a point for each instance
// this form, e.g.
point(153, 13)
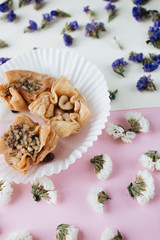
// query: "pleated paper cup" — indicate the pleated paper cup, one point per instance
point(84, 76)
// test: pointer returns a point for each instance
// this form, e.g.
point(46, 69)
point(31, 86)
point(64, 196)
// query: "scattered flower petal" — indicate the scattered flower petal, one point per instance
point(97, 198)
point(136, 57)
point(32, 27)
point(108, 234)
point(118, 66)
point(66, 232)
point(44, 188)
point(111, 10)
point(137, 122)
point(5, 191)
point(102, 166)
point(143, 187)
point(23, 235)
point(150, 160)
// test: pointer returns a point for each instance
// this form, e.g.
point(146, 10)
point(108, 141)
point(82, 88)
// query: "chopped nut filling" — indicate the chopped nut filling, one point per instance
point(22, 139)
point(29, 85)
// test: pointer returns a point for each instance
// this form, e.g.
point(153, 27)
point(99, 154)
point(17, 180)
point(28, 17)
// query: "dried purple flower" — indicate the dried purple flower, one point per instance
point(111, 9)
point(5, 6)
point(145, 83)
point(139, 2)
point(93, 29)
point(69, 27)
point(136, 57)
point(89, 12)
point(3, 60)
point(68, 40)
point(140, 13)
point(59, 13)
point(155, 58)
point(47, 18)
point(113, 94)
point(9, 17)
point(32, 27)
point(118, 66)
point(150, 66)
point(154, 36)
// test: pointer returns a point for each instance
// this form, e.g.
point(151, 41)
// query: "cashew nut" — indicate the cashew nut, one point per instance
point(66, 116)
point(64, 103)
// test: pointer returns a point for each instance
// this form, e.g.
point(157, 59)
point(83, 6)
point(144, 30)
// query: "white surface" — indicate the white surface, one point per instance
point(83, 75)
point(131, 34)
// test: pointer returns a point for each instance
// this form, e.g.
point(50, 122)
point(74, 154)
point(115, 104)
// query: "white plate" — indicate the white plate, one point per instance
point(88, 79)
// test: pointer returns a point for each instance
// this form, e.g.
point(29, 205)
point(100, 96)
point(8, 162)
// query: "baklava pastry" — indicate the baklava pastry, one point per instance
point(23, 87)
point(65, 108)
point(27, 143)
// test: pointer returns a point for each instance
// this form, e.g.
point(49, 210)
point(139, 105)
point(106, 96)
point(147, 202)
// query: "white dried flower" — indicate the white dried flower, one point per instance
point(150, 160)
point(119, 132)
point(67, 232)
point(108, 234)
point(128, 137)
point(143, 187)
point(44, 188)
point(102, 165)
point(21, 235)
point(97, 198)
point(115, 130)
point(5, 191)
point(137, 122)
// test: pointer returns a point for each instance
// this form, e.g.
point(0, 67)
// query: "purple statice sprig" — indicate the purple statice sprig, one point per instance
point(68, 39)
point(47, 19)
point(140, 13)
point(37, 4)
point(32, 27)
point(9, 17)
point(155, 15)
point(118, 66)
point(89, 12)
point(6, 6)
point(139, 2)
point(111, 10)
point(94, 28)
point(113, 94)
point(111, 1)
point(136, 57)
point(59, 13)
point(154, 36)
point(154, 57)
point(3, 60)
point(146, 83)
point(70, 27)
point(149, 65)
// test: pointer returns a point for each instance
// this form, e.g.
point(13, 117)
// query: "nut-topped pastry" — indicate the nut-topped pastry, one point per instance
point(23, 87)
point(64, 107)
point(27, 143)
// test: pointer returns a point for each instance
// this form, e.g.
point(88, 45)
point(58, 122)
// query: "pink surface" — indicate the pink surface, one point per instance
point(134, 221)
